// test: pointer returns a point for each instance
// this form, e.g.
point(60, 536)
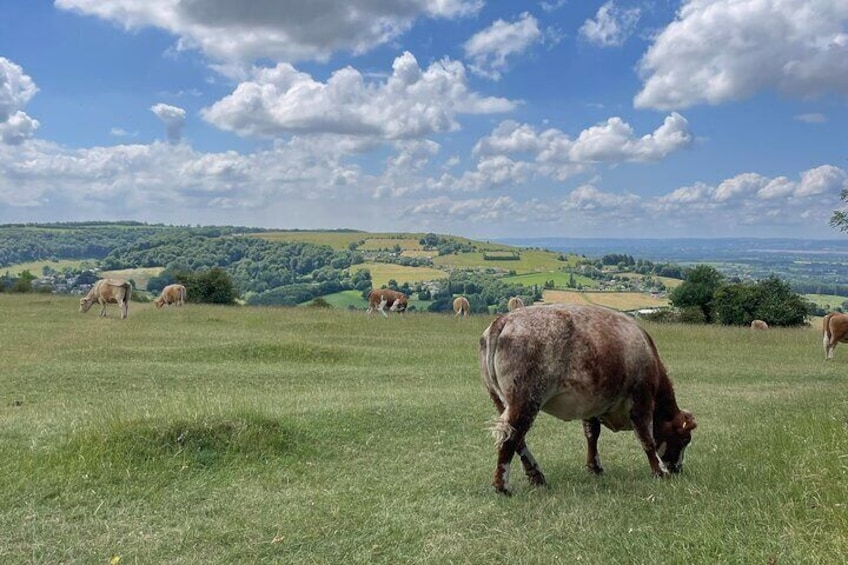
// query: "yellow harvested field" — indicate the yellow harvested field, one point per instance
point(615, 300)
point(140, 275)
point(381, 273)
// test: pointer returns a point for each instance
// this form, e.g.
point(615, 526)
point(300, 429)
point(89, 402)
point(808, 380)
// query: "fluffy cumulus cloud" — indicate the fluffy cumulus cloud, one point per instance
point(489, 49)
point(739, 206)
point(722, 50)
point(612, 25)
point(16, 90)
point(609, 142)
point(127, 180)
point(173, 118)
point(411, 103)
point(227, 30)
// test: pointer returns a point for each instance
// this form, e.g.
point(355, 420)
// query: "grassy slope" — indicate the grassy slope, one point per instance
point(223, 435)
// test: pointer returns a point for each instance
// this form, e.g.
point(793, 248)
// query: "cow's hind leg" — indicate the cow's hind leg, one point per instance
point(592, 431)
point(510, 430)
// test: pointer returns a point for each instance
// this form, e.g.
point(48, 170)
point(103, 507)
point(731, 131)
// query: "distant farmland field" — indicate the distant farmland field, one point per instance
point(625, 301)
point(382, 273)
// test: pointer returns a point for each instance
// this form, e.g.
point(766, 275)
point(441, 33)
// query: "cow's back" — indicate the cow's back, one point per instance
point(582, 360)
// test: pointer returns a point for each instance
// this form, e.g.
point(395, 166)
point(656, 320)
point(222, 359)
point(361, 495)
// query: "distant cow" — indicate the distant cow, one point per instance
point(461, 307)
point(514, 303)
point(108, 291)
point(171, 294)
point(834, 330)
point(579, 362)
point(759, 325)
point(381, 298)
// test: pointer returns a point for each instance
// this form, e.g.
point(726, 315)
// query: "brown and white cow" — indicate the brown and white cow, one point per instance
point(171, 294)
point(759, 325)
point(834, 330)
point(108, 291)
point(379, 299)
point(514, 303)
point(461, 307)
point(579, 362)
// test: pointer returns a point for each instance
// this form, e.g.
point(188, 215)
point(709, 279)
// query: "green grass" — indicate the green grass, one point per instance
point(532, 260)
point(827, 301)
point(560, 278)
point(290, 435)
point(37, 267)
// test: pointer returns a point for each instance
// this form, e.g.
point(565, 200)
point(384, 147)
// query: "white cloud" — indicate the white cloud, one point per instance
point(16, 90)
point(173, 118)
point(612, 141)
point(722, 50)
point(489, 49)
point(228, 30)
point(411, 103)
point(612, 25)
point(811, 118)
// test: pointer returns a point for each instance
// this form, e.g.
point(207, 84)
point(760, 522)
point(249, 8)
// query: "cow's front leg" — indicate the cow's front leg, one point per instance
point(592, 431)
point(641, 415)
point(103, 309)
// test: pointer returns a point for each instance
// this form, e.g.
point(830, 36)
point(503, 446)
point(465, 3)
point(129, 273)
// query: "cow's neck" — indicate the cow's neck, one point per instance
point(666, 407)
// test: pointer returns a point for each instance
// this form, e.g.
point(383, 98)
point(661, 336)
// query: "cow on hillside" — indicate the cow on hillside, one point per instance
point(759, 325)
point(108, 291)
point(171, 294)
point(461, 307)
point(834, 330)
point(379, 299)
point(514, 303)
point(579, 362)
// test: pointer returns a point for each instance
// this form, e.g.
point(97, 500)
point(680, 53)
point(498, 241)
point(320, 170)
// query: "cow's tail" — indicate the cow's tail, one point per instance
point(500, 428)
point(826, 333)
point(125, 305)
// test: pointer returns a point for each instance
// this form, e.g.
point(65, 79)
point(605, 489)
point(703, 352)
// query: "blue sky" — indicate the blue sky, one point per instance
point(702, 118)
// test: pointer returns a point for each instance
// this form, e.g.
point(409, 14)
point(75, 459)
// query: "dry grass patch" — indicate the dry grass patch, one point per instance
point(616, 300)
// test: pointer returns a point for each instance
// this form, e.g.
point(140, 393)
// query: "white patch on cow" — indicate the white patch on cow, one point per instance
point(663, 468)
point(661, 449)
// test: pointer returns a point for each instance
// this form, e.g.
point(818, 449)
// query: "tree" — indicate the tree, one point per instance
point(770, 300)
point(214, 286)
point(698, 290)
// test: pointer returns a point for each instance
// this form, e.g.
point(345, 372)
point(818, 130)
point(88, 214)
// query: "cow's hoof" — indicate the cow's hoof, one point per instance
point(503, 490)
point(595, 469)
point(537, 480)
point(662, 474)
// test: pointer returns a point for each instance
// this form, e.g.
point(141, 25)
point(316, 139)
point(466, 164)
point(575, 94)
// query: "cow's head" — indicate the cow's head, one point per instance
point(85, 304)
point(673, 437)
point(159, 302)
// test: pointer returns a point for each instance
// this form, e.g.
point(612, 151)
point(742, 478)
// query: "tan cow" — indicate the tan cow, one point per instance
point(834, 330)
point(759, 325)
point(514, 303)
point(461, 307)
point(379, 299)
point(579, 362)
point(108, 291)
point(171, 294)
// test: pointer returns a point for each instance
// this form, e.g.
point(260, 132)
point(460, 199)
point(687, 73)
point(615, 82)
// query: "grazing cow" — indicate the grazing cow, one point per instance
point(579, 362)
point(759, 325)
point(108, 291)
point(171, 294)
point(514, 303)
point(380, 298)
point(461, 307)
point(834, 330)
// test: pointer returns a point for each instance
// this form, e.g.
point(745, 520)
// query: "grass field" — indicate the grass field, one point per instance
point(826, 301)
point(291, 435)
point(531, 261)
point(37, 267)
point(560, 279)
point(382, 273)
point(624, 301)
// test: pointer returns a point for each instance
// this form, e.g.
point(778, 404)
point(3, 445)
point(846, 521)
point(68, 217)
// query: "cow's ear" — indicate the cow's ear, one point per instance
point(685, 421)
